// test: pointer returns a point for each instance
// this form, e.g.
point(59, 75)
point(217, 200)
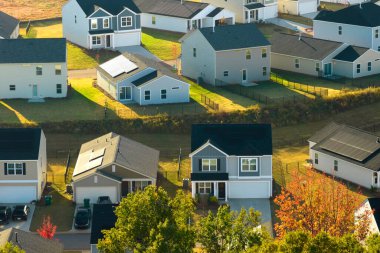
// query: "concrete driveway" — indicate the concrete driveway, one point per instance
point(262, 205)
point(139, 50)
point(73, 241)
point(22, 225)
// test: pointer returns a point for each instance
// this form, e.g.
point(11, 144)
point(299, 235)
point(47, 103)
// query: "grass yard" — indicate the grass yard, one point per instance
point(332, 6)
point(33, 9)
point(61, 210)
point(297, 19)
point(163, 44)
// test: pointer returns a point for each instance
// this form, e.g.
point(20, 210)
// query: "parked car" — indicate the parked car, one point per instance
point(20, 212)
point(104, 200)
point(5, 214)
point(82, 218)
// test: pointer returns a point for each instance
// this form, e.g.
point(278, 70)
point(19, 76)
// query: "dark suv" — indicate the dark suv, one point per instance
point(20, 213)
point(82, 218)
point(5, 214)
point(104, 200)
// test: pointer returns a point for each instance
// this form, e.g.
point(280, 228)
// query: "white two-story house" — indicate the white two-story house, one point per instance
point(23, 162)
point(95, 24)
point(231, 160)
point(230, 54)
point(357, 25)
point(298, 7)
point(33, 68)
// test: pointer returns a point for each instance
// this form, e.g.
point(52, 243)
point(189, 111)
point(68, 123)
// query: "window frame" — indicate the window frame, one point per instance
point(94, 21)
point(369, 66)
point(58, 69)
point(316, 158)
point(264, 53)
point(58, 87)
point(126, 19)
point(108, 22)
point(120, 92)
point(209, 165)
point(358, 68)
point(16, 170)
point(340, 30)
point(265, 71)
point(164, 95)
point(317, 66)
point(153, 20)
point(226, 73)
point(12, 87)
point(147, 95)
point(376, 33)
point(250, 159)
point(248, 55)
point(194, 52)
point(39, 70)
point(336, 165)
point(297, 63)
point(98, 42)
point(204, 186)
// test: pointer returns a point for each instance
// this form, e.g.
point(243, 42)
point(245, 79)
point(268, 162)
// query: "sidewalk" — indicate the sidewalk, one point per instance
point(291, 25)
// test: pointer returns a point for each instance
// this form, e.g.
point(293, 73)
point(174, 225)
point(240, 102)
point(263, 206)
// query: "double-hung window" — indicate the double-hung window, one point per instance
point(14, 169)
point(358, 68)
point(263, 53)
point(204, 188)
point(58, 70)
point(297, 63)
point(126, 21)
point(264, 71)
point(340, 30)
point(194, 52)
point(147, 95)
point(209, 164)
point(96, 40)
point(12, 87)
point(369, 66)
point(163, 94)
point(106, 23)
point(94, 24)
point(317, 67)
point(248, 164)
point(248, 55)
point(316, 158)
point(377, 33)
point(39, 70)
point(59, 88)
point(335, 165)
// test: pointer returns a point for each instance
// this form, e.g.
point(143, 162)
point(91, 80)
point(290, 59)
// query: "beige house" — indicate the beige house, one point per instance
point(23, 158)
point(113, 166)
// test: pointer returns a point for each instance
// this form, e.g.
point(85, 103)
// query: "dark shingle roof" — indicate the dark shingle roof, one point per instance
point(366, 14)
point(350, 144)
point(32, 50)
point(7, 25)
point(173, 8)
point(144, 79)
point(112, 6)
point(234, 139)
point(209, 176)
point(375, 205)
point(94, 32)
point(253, 6)
point(103, 218)
point(306, 47)
point(215, 12)
point(228, 37)
point(19, 143)
point(351, 53)
point(324, 132)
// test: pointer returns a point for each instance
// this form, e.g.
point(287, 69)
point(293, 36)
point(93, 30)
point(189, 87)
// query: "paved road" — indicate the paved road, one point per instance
point(74, 241)
point(82, 73)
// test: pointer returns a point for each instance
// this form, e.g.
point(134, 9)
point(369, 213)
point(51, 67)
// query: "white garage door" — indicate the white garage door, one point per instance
point(93, 193)
point(17, 194)
point(240, 190)
point(127, 39)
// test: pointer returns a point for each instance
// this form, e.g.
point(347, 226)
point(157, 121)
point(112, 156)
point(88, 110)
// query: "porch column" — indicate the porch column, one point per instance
point(193, 189)
point(90, 42)
point(226, 191)
point(113, 41)
point(215, 189)
point(130, 186)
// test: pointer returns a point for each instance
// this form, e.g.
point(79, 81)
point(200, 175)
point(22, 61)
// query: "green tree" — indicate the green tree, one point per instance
point(295, 242)
point(10, 248)
point(322, 243)
point(373, 243)
point(150, 221)
point(349, 244)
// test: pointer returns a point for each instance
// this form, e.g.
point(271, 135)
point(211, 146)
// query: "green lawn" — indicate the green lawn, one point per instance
point(163, 44)
point(332, 6)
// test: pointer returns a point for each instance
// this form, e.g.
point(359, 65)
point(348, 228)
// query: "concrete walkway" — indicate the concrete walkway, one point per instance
point(139, 50)
point(82, 73)
point(290, 25)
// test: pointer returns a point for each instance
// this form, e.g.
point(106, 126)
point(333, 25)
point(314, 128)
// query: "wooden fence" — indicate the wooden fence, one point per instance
point(210, 103)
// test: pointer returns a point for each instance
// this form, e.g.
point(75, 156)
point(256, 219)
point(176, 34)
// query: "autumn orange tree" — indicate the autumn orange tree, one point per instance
point(47, 229)
point(315, 203)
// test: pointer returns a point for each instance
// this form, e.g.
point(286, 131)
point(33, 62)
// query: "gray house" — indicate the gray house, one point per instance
point(319, 57)
point(348, 153)
point(231, 161)
point(113, 166)
point(135, 79)
point(9, 26)
point(97, 24)
point(221, 55)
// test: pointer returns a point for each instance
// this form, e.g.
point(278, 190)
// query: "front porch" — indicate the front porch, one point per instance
point(211, 188)
point(103, 40)
point(131, 185)
point(254, 12)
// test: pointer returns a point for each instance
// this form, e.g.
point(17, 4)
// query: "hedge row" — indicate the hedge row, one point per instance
point(284, 115)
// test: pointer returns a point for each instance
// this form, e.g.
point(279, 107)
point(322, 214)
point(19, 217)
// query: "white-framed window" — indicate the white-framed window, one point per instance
point(194, 52)
point(125, 93)
point(204, 188)
point(317, 67)
point(358, 68)
point(96, 40)
point(263, 53)
point(369, 66)
point(59, 88)
point(12, 87)
point(225, 73)
point(209, 164)
point(335, 165)
point(39, 70)
point(126, 21)
point(147, 95)
point(14, 169)
point(58, 70)
point(248, 55)
point(248, 164)
point(75, 19)
point(297, 63)
point(106, 23)
point(378, 48)
point(316, 158)
point(264, 71)
point(340, 30)
point(377, 33)
point(163, 94)
point(153, 20)
point(94, 24)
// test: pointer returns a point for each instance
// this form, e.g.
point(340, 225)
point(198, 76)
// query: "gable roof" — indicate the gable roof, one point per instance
point(172, 8)
point(306, 47)
point(103, 218)
point(29, 242)
point(351, 53)
point(32, 50)
point(253, 6)
point(7, 25)
point(113, 148)
point(112, 6)
point(228, 37)
point(375, 205)
point(350, 144)
point(366, 14)
point(215, 12)
point(234, 139)
point(20, 143)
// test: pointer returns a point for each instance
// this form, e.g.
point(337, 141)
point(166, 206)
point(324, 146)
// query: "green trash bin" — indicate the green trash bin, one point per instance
point(86, 203)
point(48, 200)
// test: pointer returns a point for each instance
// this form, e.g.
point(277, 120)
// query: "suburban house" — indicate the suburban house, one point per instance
point(370, 206)
point(348, 153)
point(323, 58)
point(248, 11)
point(23, 158)
point(298, 7)
point(136, 79)
point(357, 25)
point(181, 16)
point(113, 166)
point(29, 242)
point(9, 26)
point(103, 218)
point(95, 24)
point(42, 63)
point(231, 160)
point(221, 55)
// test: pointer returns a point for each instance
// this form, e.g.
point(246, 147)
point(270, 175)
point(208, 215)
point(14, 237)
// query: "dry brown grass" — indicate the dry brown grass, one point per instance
point(32, 9)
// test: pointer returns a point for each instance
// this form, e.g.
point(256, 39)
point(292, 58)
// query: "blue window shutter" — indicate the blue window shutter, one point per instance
point(24, 168)
point(218, 164)
point(5, 169)
point(200, 164)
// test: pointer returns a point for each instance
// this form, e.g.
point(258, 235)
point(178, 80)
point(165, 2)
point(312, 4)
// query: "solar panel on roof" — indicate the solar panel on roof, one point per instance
point(118, 66)
point(94, 163)
point(97, 153)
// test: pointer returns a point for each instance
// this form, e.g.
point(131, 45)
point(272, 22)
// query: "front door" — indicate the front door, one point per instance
point(35, 90)
point(125, 187)
point(244, 76)
point(221, 190)
point(108, 40)
point(327, 69)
